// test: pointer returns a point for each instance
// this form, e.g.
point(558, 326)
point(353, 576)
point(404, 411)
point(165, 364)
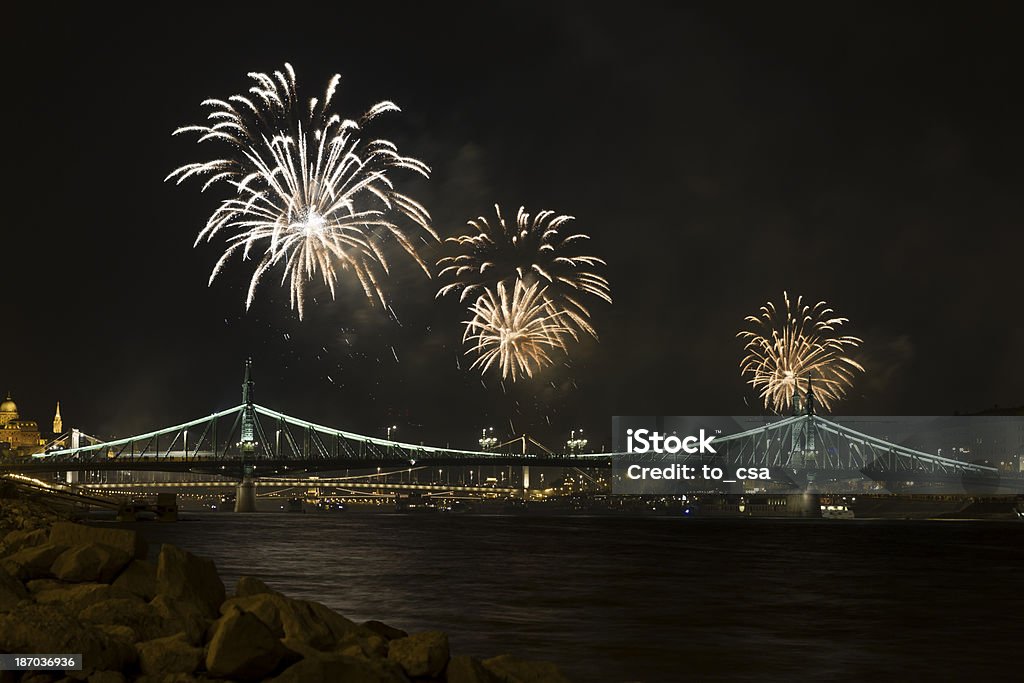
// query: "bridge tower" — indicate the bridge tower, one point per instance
point(804, 452)
point(248, 411)
point(811, 450)
point(526, 474)
point(810, 397)
point(809, 502)
point(245, 495)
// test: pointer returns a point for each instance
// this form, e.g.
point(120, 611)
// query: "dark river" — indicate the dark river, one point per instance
point(656, 599)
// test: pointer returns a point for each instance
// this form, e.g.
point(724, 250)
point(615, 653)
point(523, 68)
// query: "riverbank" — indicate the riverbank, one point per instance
point(68, 588)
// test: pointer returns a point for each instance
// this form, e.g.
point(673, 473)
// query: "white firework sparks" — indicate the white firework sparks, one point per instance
point(309, 194)
point(533, 249)
point(515, 327)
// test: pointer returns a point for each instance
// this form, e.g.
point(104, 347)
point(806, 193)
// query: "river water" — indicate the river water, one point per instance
point(655, 599)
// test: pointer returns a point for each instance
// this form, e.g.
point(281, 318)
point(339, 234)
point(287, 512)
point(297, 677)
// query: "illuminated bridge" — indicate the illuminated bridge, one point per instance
point(266, 440)
point(256, 440)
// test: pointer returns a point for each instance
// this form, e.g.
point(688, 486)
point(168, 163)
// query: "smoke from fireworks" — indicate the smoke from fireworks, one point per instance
point(308, 194)
point(515, 326)
point(794, 345)
point(539, 249)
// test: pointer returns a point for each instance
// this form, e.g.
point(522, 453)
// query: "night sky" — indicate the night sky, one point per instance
point(717, 155)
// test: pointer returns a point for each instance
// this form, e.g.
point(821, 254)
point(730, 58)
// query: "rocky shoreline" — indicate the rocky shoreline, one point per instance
point(68, 588)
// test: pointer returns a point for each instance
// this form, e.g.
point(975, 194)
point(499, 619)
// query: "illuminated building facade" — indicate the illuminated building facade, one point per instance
point(20, 437)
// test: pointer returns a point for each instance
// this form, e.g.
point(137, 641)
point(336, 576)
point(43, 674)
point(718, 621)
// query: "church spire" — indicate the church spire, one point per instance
point(58, 425)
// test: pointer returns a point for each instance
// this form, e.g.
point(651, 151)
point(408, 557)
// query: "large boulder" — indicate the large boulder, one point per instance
point(421, 654)
point(45, 628)
point(180, 575)
point(511, 669)
point(383, 630)
point(137, 615)
point(463, 669)
point(32, 563)
point(170, 655)
point(90, 562)
point(243, 647)
point(250, 585)
point(329, 668)
point(39, 585)
point(267, 607)
point(138, 578)
point(11, 591)
point(301, 621)
point(323, 619)
point(182, 617)
point(19, 539)
point(76, 597)
point(70, 534)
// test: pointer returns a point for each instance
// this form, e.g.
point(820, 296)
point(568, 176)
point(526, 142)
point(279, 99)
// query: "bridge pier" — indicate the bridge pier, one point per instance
point(245, 495)
point(806, 504)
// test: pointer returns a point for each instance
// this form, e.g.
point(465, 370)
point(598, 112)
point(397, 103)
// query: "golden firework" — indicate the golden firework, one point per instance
point(793, 346)
point(515, 327)
point(535, 249)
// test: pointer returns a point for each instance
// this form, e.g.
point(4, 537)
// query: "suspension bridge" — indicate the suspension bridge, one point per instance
point(251, 440)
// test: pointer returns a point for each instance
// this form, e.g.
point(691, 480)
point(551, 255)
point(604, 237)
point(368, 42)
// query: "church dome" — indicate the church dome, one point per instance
point(8, 406)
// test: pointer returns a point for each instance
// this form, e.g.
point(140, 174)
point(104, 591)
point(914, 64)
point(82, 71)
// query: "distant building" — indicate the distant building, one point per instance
point(20, 437)
point(58, 425)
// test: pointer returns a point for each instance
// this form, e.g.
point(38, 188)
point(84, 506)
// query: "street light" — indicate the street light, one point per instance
point(391, 446)
point(575, 444)
point(487, 439)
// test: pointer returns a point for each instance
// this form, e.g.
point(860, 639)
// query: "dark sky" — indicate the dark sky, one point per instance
point(717, 155)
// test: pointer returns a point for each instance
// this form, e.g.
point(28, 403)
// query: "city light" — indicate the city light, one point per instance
point(576, 442)
point(487, 439)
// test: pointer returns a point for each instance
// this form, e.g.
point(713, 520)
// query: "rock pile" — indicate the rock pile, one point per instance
point(79, 589)
point(23, 514)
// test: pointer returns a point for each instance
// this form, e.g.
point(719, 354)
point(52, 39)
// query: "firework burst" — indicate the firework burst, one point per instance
point(538, 249)
point(798, 343)
point(515, 327)
point(308, 194)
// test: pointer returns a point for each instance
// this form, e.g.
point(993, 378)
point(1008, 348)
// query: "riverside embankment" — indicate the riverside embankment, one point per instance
point(69, 588)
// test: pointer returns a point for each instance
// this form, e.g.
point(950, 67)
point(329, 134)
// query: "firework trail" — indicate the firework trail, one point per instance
point(515, 326)
point(308, 194)
point(797, 344)
point(538, 249)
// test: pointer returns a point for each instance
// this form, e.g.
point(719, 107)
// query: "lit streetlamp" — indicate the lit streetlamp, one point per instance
point(487, 439)
point(576, 444)
point(391, 447)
